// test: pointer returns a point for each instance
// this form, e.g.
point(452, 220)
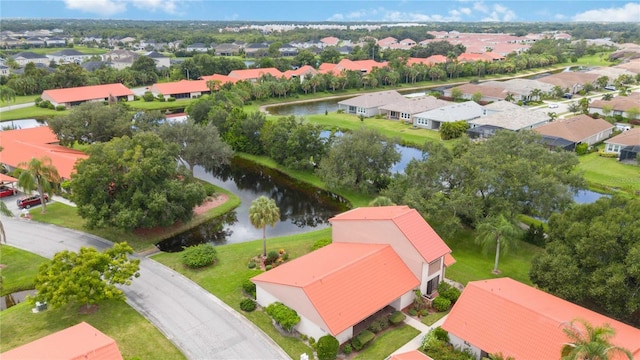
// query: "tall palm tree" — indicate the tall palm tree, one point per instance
point(500, 233)
point(262, 212)
point(588, 342)
point(41, 175)
point(4, 211)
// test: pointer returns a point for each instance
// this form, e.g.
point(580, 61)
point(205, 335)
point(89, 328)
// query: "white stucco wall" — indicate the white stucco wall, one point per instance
point(462, 345)
point(403, 301)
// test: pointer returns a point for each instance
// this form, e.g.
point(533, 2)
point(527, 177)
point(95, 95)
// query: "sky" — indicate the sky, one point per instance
point(329, 10)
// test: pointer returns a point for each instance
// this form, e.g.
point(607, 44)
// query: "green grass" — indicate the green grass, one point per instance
point(385, 344)
point(135, 336)
point(224, 280)
point(67, 216)
point(83, 49)
point(22, 99)
point(471, 264)
point(610, 173)
point(157, 105)
point(20, 269)
point(432, 318)
point(30, 112)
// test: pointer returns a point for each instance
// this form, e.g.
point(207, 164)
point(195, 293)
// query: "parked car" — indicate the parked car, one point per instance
point(27, 202)
point(7, 191)
point(610, 88)
point(553, 106)
point(568, 96)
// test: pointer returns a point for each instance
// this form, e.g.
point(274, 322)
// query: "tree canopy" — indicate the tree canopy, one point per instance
point(294, 144)
point(40, 175)
point(510, 173)
point(86, 277)
point(130, 183)
point(91, 122)
point(593, 257)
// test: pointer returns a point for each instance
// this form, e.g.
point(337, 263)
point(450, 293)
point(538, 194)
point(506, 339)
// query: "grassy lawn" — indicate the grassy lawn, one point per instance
point(20, 269)
point(610, 173)
point(471, 264)
point(21, 99)
point(82, 49)
point(67, 216)
point(157, 105)
point(30, 112)
point(136, 337)
point(432, 318)
point(383, 345)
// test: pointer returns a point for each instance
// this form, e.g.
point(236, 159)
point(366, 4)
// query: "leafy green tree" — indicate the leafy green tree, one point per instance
point(130, 183)
point(198, 110)
point(293, 143)
point(148, 120)
point(7, 94)
point(70, 75)
point(596, 243)
point(40, 175)
point(584, 105)
point(197, 144)
point(381, 201)
point(144, 64)
point(359, 160)
point(453, 130)
point(86, 277)
point(91, 122)
point(262, 212)
point(327, 348)
point(499, 233)
point(633, 112)
point(588, 342)
point(243, 131)
point(305, 57)
point(574, 107)
point(477, 96)
point(456, 94)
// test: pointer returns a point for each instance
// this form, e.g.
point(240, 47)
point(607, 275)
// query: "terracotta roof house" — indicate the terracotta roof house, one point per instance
point(520, 88)
point(405, 108)
point(433, 119)
point(387, 42)
point(217, 77)
point(23, 144)
point(627, 142)
point(409, 355)
point(75, 96)
point(433, 59)
point(329, 41)
point(378, 256)
point(252, 75)
point(619, 105)
point(183, 89)
point(368, 104)
point(633, 66)
point(581, 129)
point(363, 66)
point(81, 341)
point(303, 72)
point(503, 315)
point(570, 80)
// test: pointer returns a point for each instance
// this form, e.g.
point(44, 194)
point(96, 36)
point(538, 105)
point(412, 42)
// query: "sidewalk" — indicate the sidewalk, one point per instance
point(415, 343)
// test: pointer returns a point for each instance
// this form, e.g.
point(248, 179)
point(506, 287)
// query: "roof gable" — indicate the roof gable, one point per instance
point(248, 74)
point(630, 137)
point(576, 128)
point(503, 315)
point(346, 282)
point(85, 93)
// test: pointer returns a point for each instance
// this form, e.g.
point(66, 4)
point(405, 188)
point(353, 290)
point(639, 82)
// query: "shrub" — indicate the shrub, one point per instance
point(375, 327)
point(413, 312)
point(252, 264)
point(38, 100)
point(535, 235)
point(285, 256)
point(441, 303)
point(272, 256)
point(268, 267)
point(383, 321)
point(608, 154)
point(249, 287)
point(148, 96)
point(397, 317)
point(283, 315)
point(327, 348)
point(320, 243)
point(362, 339)
point(450, 293)
point(247, 305)
point(209, 189)
point(61, 108)
point(347, 349)
point(312, 342)
point(441, 334)
point(424, 312)
point(199, 256)
point(453, 130)
point(171, 99)
point(582, 149)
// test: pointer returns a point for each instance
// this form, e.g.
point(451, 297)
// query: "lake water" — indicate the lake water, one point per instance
point(21, 124)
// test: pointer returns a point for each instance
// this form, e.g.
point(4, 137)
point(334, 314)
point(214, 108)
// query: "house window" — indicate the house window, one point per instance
point(432, 285)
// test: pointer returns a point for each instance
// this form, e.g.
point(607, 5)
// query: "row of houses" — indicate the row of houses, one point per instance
point(118, 59)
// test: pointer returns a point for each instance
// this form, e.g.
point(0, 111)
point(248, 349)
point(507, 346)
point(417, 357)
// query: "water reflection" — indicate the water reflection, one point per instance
point(21, 124)
point(302, 207)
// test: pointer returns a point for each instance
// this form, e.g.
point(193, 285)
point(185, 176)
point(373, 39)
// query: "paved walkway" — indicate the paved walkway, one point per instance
point(416, 342)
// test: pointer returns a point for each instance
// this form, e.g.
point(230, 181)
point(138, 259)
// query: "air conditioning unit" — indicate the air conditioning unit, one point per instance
point(41, 306)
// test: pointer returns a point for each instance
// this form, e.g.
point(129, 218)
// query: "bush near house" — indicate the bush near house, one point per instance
point(362, 339)
point(249, 288)
point(286, 317)
point(448, 292)
point(248, 305)
point(441, 303)
point(397, 318)
point(199, 256)
point(327, 347)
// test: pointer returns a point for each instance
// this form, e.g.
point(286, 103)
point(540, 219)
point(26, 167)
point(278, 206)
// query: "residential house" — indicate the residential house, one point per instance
point(386, 42)
point(183, 89)
point(405, 108)
point(632, 66)
point(619, 105)
point(25, 57)
point(81, 341)
point(75, 96)
point(581, 129)
point(329, 41)
point(198, 47)
point(431, 60)
point(55, 42)
point(362, 66)
point(252, 75)
point(433, 119)
point(67, 56)
point(20, 145)
point(368, 104)
point(521, 89)
point(570, 81)
point(489, 93)
point(513, 118)
point(162, 61)
point(4, 70)
point(223, 79)
point(611, 72)
point(227, 49)
point(303, 72)
point(627, 144)
point(92, 66)
point(378, 257)
point(34, 41)
point(409, 355)
point(288, 50)
point(256, 49)
point(120, 59)
point(519, 321)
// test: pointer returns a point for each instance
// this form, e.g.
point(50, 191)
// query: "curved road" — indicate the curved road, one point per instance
point(198, 323)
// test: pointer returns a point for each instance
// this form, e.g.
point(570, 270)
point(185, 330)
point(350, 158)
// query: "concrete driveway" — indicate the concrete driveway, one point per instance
point(200, 325)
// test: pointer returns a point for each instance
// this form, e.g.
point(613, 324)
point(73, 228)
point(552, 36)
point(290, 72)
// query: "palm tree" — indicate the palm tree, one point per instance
point(39, 174)
point(588, 342)
point(7, 95)
point(382, 201)
point(262, 212)
point(4, 211)
point(500, 233)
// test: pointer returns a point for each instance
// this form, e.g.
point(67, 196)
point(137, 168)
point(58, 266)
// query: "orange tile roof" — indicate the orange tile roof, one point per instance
point(345, 64)
point(410, 355)
point(306, 69)
point(219, 77)
point(503, 315)
point(6, 178)
point(24, 144)
point(421, 235)
point(85, 93)
point(181, 87)
point(336, 278)
point(249, 74)
point(576, 128)
point(81, 341)
point(449, 260)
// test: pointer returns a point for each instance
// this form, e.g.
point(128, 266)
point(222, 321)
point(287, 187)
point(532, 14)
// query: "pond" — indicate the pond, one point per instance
point(21, 124)
point(302, 207)
point(587, 196)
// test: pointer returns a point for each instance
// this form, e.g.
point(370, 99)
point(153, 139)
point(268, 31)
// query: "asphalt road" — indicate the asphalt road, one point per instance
point(199, 324)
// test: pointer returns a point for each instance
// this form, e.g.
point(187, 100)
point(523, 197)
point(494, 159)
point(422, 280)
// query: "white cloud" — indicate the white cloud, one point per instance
point(628, 13)
point(560, 17)
point(500, 13)
point(382, 14)
point(112, 7)
point(465, 11)
point(481, 7)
